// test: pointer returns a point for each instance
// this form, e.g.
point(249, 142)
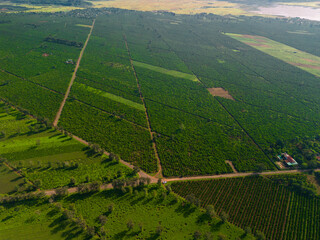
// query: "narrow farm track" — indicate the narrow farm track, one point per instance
point(234, 175)
point(159, 173)
point(55, 122)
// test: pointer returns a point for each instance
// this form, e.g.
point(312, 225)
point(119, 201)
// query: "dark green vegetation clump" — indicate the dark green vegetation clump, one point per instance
point(264, 205)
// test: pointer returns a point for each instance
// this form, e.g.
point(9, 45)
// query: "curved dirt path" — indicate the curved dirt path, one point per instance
point(55, 122)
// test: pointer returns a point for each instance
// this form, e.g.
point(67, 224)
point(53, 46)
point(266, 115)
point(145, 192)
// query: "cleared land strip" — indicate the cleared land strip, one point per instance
point(159, 173)
point(166, 71)
point(110, 96)
point(55, 122)
point(290, 55)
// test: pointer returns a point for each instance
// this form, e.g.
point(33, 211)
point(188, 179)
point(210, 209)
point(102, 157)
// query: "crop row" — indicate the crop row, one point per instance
point(260, 204)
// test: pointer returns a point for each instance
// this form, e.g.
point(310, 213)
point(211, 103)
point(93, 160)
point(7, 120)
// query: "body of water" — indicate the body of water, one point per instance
point(290, 11)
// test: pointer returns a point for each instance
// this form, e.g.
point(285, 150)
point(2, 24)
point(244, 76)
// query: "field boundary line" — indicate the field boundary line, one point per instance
point(159, 173)
point(55, 122)
point(19, 174)
point(234, 175)
point(37, 84)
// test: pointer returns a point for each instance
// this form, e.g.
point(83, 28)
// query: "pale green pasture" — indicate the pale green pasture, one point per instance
point(293, 56)
point(24, 143)
point(69, 156)
point(112, 97)
point(8, 180)
point(166, 71)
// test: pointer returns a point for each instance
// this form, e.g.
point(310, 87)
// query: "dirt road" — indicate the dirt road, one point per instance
point(232, 175)
point(154, 146)
point(55, 122)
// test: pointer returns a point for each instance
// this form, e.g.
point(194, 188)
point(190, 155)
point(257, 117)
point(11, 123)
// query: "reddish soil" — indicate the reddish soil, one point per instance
point(257, 44)
point(220, 92)
point(309, 60)
point(305, 65)
point(256, 38)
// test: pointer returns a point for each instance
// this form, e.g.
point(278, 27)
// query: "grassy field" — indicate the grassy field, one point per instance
point(35, 220)
point(9, 180)
point(50, 156)
point(111, 96)
point(179, 7)
point(178, 220)
point(293, 56)
point(166, 71)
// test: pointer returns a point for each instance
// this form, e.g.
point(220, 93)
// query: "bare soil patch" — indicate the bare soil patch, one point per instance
point(232, 166)
point(305, 65)
point(256, 38)
point(308, 60)
point(220, 92)
point(281, 165)
point(257, 44)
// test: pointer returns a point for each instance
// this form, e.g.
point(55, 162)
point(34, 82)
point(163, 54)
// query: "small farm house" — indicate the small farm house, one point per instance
point(287, 159)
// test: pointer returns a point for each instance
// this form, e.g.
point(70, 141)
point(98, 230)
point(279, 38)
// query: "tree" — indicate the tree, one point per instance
point(208, 236)
point(168, 187)
point(141, 227)
point(95, 186)
point(260, 235)
point(37, 183)
point(2, 135)
point(72, 182)
point(62, 191)
point(136, 170)
point(102, 219)
point(159, 230)
point(114, 157)
point(159, 181)
point(103, 231)
point(224, 217)
point(146, 192)
point(260, 167)
point(87, 179)
point(248, 230)
point(222, 237)
point(211, 211)
point(111, 208)
point(197, 235)
point(91, 231)
point(130, 225)
point(130, 190)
